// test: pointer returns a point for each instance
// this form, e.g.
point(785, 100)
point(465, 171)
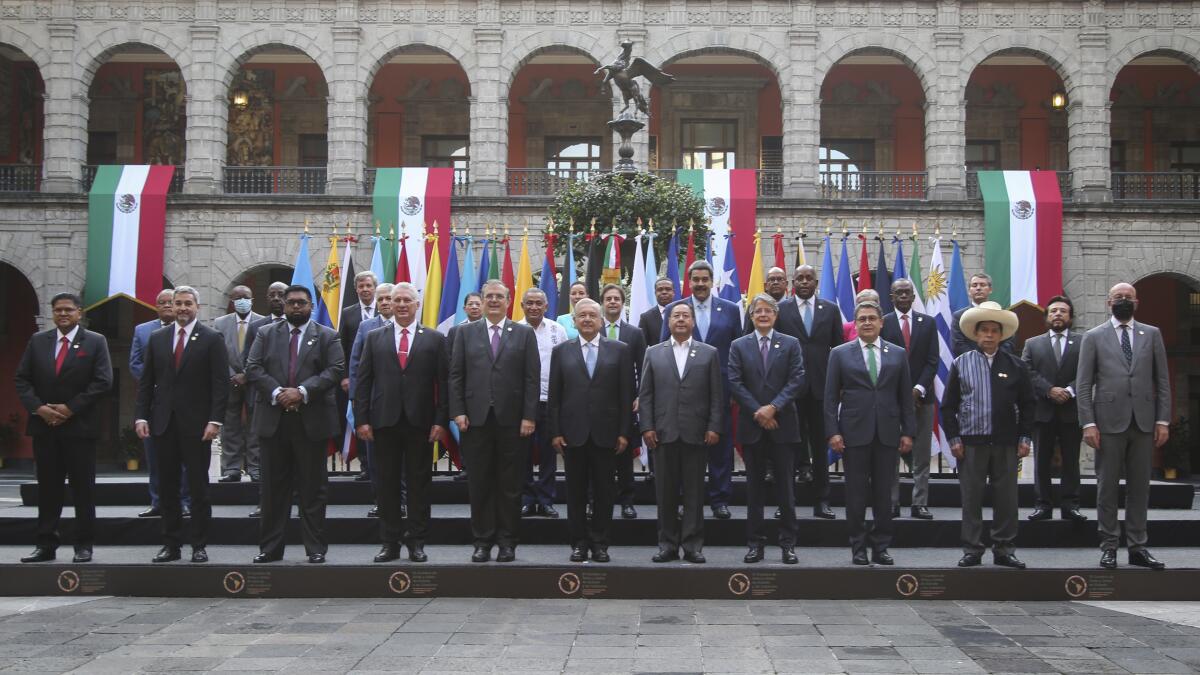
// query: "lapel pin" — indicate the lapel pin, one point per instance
point(919, 319)
point(1070, 342)
point(74, 346)
point(692, 354)
point(193, 337)
point(1003, 375)
point(510, 329)
point(420, 330)
point(776, 345)
point(309, 343)
point(1141, 332)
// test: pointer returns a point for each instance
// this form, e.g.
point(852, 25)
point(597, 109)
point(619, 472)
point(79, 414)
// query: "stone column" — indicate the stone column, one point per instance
point(347, 114)
point(61, 272)
point(66, 110)
point(207, 110)
point(489, 116)
point(946, 118)
point(802, 116)
point(1088, 120)
point(199, 251)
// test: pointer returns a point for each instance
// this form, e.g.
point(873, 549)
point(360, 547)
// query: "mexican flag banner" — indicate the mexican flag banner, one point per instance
point(127, 218)
point(1023, 221)
point(731, 201)
point(410, 200)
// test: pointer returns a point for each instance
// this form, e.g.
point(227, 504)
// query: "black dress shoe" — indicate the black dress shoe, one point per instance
point(82, 555)
point(255, 478)
point(628, 512)
point(822, 510)
point(267, 558)
point(1074, 515)
point(460, 476)
point(482, 554)
point(506, 554)
point(152, 512)
point(778, 514)
point(416, 553)
point(1040, 513)
point(921, 513)
point(388, 553)
point(1008, 560)
point(755, 554)
point(696, 558)
point(316, 558)
point(40, 555)
point(362, 477)
point(373, 512)
point(665, 556)
point(549, 511)
point(528, 510)
point(970, 560)
point(579, 554)
point(166, 554)
point(1108, 559)
point(789, 556)
point(199, 555)
point(1142, 558)
point(860, 558)
point(600, 555)
point(256, 513)
point(721, 512)
point(882, 558)
point(230, 478)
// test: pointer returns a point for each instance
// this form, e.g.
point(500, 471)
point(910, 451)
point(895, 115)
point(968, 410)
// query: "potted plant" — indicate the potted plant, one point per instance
point(1177, 453)
point(132, 446)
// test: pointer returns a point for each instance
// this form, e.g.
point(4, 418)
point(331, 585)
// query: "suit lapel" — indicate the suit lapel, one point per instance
point(306, 342)
point(190, 347)
point(687, 363)
point(72, 349)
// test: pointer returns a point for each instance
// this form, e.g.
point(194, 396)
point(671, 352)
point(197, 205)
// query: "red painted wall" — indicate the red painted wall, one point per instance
point(1034, 85)
point(524, 83)
point(393, 80)
point(770, 101)
point(18, 325)
point(909, 118)
point(14, 95)
point(135, 74)
point(1149, 80)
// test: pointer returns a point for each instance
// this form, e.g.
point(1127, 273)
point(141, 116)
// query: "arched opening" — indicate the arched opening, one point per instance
point(18, 322)
point(21, 118)
point(1155, 152)
point(137, 112)
point(258, 279)
point(1016, 117)
point(872, 129)
point(278, 124)
point(557, 117)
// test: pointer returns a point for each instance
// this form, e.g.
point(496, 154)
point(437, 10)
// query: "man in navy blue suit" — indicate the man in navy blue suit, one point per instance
point(717, 324)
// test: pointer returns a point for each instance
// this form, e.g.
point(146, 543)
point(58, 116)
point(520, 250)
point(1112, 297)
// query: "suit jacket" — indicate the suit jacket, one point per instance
point(864, 413)
point(255, 326)
point(226, 325)
point(923, 356)
point(386, 394)
point(724, 326)
point(364, 329)
point(86, 375)
point(826, 334)
point(348, 326)
point(632, 336)
point(509, 384)
point(1112, 393)
point(651, 323)
point(196, 393)
point(319, 369)
point(137, 348)
point(1046, 372)
point(1011, 399)
point(597, 408)
point(960, 343)
point(778, 385)
point(682, 409)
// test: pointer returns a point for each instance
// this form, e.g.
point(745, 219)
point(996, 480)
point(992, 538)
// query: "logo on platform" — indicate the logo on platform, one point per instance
point(739, 584)
point(126, 203)
point(569, 583)
point(1076, 586)
point(399, 582)
point(234, 582)
point(1023, 210)
point(717, 206)
point(68, 581)
point(411, 206)
point(907, 585)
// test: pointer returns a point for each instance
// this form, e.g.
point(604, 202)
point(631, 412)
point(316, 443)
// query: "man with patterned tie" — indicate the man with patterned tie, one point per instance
point(239, 447)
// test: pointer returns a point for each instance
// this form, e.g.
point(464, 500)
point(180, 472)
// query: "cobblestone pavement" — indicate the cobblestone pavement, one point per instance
point(130, 635)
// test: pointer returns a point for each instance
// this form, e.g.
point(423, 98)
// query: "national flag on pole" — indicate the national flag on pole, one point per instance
point(914, 272)
point(883, 281)
point(958, 283)
point(469, 282)
point(329, 288)
point(450, 284)
point(731, 202)
point(549, 273)
point(673, 264)
point(506, 275)
point(523, 280)
point(650, 273)
point(391, 254)
point(431, 302)
point(845, 286)
point(1022, 224)
point(638, 301)
point(127, 217)
point(494, 271)
point(377, 257)
point(827, 286)
point(729, 287)
point(415, 198)
point(780, 257)
point(559, 302)
point(757, 274)
point(901, 272)
point(302, 271)
point(937, 305)
point(349, 292)
point(594, 267)
point(484, 264)
point(612, 252)
point(686, 289)
point(801, 259)
point(402, 264)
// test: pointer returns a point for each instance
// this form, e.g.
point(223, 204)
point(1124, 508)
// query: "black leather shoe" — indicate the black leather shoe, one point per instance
point(778, 514)
point(316, 558)
point(166, 554)
point(1074, 515)
point(374, 512)
point(482, 554)
point(416, 553)
point(1142, 558)
point(528, 510)
point(506, 554)
point(860, 558)
point(1008, 560)
point(579, 554)
point(665, 556)
point(388, 553)
point(695, 558)
point(255, 478)
point(362, 477)
point(755, 554)
point(460, 476)
point(40, 555)
point(230, 478)
point(1041, 514)
point(789, 556)
point(628, 512)
point(882, 558)
point(970, 560)
point(267, 558)
point(721, 512)
point(600, 555)
point(152, 512)
point(82, 555)
point(549, 511)
point(199, 555)
point(256, 513)
point(921, 513)
point(822, 510)
point(1108, 559)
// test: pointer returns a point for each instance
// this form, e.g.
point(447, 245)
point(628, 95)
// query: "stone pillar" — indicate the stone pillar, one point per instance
point(61, 272)
point(1088, 120)
point(802, 116)
point(946, 117)
point(489, 116)
point(347, 114)
point(199, 251)
point(66, 110)
point(207, 111)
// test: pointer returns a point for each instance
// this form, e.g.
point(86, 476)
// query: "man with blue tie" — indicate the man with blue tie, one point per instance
point(717, 324)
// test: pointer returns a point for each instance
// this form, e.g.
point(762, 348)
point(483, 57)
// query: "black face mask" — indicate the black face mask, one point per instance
point(1123, 310)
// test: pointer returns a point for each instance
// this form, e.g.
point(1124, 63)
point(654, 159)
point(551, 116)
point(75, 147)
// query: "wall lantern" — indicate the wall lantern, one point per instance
point(1058, 100)
point(241, 100)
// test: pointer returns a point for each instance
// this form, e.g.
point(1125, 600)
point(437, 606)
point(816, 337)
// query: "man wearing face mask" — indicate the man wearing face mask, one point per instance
point(1124, 394)
point(239, 448)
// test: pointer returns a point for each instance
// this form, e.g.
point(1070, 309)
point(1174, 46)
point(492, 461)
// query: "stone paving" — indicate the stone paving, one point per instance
point(133, 635)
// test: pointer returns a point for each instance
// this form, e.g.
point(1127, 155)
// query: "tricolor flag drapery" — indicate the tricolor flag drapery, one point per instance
point(127, 217)
point(731, 202)
point(937, 305)
point(410, 201)
point(1022, 217)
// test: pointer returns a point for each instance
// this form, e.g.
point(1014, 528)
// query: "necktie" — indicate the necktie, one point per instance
point(1058, 351)
point(241, 335)
point(702, 320)
point(179, 347)
point(293, 356)
point(62, 354)
point(764, 348)
point(366, 313)
point(495, 340)
point(589, 358)
point(807, 318)
point(402, 354)
point(906, 329)
point(612, 331)
point(1126, 346)
point(872, 368)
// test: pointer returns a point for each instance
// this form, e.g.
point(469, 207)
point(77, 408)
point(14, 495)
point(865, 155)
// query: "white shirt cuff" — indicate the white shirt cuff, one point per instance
point(919, 389)
point(304, 393)
point(1088, 426)
point(275, 394)
point(1071, 391)
point(1163, 422)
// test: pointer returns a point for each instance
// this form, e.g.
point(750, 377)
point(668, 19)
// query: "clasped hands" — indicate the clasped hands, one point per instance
point(290, 399)
point(54, 414)
point(838, 444)
point(527, 426)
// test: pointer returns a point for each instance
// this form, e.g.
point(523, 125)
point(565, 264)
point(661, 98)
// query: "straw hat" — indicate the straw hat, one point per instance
point(989, 311)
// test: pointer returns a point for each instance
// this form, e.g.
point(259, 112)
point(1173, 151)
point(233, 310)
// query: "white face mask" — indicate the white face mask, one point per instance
point(242, 305)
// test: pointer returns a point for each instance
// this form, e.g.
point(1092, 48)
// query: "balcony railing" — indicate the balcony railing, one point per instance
point(545, 182)
point(275, 180)
point(20, 177)
point(867, 185)
point(1064, 185)
point(1155, 186)
point(459, 189)
point(89, 177)
point(769, 181)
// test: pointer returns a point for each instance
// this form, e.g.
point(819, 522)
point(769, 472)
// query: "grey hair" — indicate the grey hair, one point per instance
point(277, 284)
point(865, 293)
point(384, 288)
point(365, 274)
point(868, 304)
point(587, 302)
point(406, 286)
point(189, 290)
point(533, 290)
point(767, 299)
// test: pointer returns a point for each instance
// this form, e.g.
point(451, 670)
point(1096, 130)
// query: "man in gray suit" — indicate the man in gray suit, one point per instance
point(681, 411)
point(239, 447)
point(868, 415)
point(1124, 389)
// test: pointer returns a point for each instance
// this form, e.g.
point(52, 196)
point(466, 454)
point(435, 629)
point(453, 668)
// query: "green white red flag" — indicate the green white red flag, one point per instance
point(1023, 221)
point(127, 218)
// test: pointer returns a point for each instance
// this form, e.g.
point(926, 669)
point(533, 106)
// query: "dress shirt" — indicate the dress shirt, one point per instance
point(912, 327)
point(594, 342)
point(303, 391)
point(187, 339)
point(1065, 335)
point(1117, 327)
point(412, 333)
point(862, 344)
point(548, 334)
point(70, 341)
point(681, 350)
point(362, 309)
point(759, 335)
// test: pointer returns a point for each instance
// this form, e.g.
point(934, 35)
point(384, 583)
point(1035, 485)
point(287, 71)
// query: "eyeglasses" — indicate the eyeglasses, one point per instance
point(296, 302)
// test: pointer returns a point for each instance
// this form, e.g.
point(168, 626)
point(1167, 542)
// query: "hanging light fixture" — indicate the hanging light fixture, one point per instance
point(1058, 100)
point(241, 100)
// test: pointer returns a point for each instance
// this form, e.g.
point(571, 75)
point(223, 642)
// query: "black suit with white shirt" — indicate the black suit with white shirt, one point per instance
point(636, 339)
point(1052, 363)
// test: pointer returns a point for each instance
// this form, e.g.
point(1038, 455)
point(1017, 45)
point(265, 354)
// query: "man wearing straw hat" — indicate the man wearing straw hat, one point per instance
point(987, 413)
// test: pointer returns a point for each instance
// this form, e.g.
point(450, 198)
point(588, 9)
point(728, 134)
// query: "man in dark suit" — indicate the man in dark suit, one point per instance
point(383, 316)
point(766, 373)
point(917, 333)
point(980, 289)
point(774, 285)
point(651, 320)
point(239, 447)
point(400, 389)
point(818, 326)
point(1053, 358)
point(590, 411)
point(275, 305)
point(868, 415)
point(682, 404)
point(62, 374)
point(351, 318)
point(295, 368)
point(717, 323)
point(495, 379)
point(615, 327)
point(180, 400)
point(1124, 392)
